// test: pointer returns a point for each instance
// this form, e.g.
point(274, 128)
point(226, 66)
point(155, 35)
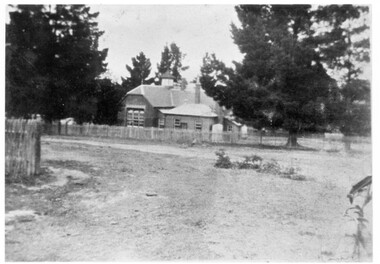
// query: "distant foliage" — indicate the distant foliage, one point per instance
point(345, 48)
point(171, 60)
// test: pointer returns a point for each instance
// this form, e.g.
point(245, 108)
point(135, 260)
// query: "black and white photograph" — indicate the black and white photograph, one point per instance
point(188, 132)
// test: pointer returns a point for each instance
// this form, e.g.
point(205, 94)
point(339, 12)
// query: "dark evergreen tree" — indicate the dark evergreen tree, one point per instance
point(281, 81)
point(109, 97)
point(23, 79)
point(345, 47)
point(171, 60)
point(138, 73)
point(60, 44)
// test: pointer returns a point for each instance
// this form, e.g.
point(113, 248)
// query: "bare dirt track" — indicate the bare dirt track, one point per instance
point(146, 201)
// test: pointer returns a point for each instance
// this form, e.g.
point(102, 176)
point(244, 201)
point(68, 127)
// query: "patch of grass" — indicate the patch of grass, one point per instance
point(43, 177)
point(326, 253)
point(333, 150)
point(306, 233)
point(292, 173)
point(69, 164)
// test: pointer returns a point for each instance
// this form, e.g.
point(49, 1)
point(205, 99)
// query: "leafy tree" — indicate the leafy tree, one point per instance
point(171, 60)
point(138, 73)
point(60, 45)
point(345, 47)
point(281, 81)
point(108, 96)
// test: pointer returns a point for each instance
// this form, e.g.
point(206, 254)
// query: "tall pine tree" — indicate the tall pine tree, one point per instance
point(171, 60)
point(281, 81)
point(60, 45)
point(138, 73)
point(345, 48)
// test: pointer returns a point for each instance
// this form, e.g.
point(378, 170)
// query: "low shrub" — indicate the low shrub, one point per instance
point(254, 162)
point(223, 160)
point(250, 162)
point(271, 167)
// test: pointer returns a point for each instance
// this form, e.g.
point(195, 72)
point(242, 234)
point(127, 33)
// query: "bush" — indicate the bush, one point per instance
point(223, 160)
point(254, 162)
point(250, 162)
point(271, 167)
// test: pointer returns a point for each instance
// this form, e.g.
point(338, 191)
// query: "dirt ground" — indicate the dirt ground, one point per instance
point(101, 200)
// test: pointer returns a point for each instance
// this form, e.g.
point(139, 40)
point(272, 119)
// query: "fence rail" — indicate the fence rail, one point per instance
point(22, 148)
point(315, 141)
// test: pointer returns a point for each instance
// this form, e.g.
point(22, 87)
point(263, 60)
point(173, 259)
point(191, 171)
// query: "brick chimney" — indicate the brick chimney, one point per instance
point(197, 99)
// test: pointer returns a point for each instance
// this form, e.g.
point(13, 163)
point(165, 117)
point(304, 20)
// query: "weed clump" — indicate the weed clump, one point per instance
point(255, 162)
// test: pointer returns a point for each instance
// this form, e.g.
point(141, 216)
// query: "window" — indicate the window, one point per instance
point(198, 125)
point(135, 117)
point(129, 117)
point(141, 119)
point(229, 128)
point(183, 125)
point(177, 123)
point(161, 123)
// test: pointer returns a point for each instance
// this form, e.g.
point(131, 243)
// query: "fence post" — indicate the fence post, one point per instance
point(59, 127)
point(37, 150)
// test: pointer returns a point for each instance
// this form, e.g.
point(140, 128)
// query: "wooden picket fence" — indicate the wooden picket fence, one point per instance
point(152, 133)
point(22, 148)
point(276, 139)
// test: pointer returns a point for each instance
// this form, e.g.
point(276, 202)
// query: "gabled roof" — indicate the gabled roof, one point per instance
point(158, 96)
point(191, 110)
point(163, 96)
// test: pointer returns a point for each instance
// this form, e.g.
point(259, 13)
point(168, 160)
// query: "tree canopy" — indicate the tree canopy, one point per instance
point(53, 61)
point(171, 60)
point(109, 100)
point(345, 48)
point(281, 81)
point(138, 73)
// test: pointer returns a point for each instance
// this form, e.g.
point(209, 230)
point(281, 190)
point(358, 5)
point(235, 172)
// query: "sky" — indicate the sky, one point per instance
point(196, 29)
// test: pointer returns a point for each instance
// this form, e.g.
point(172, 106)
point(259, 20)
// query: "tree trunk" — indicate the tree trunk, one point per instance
point(347, 143)
point(292, 140)
point(59, 127)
